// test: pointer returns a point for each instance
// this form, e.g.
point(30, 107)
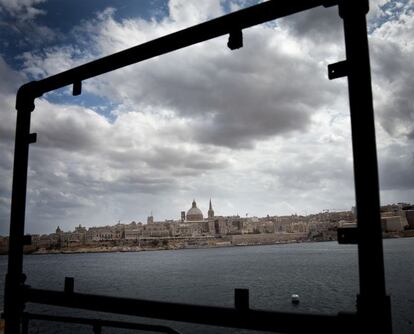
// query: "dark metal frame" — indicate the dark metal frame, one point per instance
point(96, 324)
point(373, 305)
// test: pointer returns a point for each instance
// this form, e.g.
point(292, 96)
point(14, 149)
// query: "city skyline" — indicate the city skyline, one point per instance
point(260, 130)
point(179, 216)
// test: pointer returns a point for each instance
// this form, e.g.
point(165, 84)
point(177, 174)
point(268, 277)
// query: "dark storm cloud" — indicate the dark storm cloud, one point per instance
point(178, 158)
point(232, 98)
point(133, 182)
point(396, 167)
point(8, 117)
point(11, 80)
point(81, 162)
point(88, 176)
point(394, 86)
point(390, 60)
point(69, 129)
point(319, 24)
point(304, 171)
point(391, 51)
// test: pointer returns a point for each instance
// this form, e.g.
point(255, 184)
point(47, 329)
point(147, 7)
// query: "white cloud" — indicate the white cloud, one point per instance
point(185, 13)
point(18, 20)
point(392, 50)
point(22, 9)
point(51, 61)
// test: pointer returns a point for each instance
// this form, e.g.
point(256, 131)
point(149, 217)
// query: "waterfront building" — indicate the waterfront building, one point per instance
point(227, 225)
point(158, 230)
point(391, 224)
point(193, 224)
point(106, 233)
point(4, 243)
point(189, 229)
point(133, 234)
point(133, 231)
point(44, 241)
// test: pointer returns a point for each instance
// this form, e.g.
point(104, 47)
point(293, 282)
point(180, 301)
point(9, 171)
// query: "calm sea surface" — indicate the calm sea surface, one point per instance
point(325, 275)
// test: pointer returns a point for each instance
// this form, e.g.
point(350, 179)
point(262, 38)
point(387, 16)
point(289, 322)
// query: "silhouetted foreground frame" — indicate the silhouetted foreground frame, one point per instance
point(373, 305)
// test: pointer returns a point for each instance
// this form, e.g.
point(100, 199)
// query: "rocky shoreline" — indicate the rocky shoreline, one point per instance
point(132, 249)
point(83, 249)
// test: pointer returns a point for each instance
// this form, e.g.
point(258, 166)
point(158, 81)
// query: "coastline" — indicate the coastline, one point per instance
point(85, 249)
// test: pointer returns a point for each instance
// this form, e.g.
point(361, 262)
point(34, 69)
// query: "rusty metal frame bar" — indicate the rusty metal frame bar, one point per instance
point(373, 305)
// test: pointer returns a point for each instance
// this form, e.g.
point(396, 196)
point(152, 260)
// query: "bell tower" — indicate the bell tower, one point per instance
point(210, 211)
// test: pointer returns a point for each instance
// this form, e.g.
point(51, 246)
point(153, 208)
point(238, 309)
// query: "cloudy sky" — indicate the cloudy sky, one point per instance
point(261, 130)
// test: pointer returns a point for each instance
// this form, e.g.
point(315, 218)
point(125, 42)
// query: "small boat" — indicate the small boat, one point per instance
point(295, 299)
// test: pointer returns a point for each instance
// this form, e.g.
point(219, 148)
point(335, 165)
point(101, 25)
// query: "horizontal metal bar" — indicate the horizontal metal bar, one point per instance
point(223, 25)
point(283, 322)
point(100, 322)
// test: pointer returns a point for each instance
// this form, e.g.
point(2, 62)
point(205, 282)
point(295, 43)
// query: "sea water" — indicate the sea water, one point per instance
point(324, 275)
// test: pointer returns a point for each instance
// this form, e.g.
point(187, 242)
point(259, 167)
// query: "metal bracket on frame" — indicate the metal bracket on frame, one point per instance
point(338, 70)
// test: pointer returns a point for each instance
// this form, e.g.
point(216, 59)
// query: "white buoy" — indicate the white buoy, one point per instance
point(295, 299)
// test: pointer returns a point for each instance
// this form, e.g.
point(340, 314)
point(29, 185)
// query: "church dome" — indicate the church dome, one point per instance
point(194, 213)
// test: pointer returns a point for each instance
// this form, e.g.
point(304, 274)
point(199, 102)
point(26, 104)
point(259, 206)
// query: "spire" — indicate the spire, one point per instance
point(210, 210)
point(194, 204)
point(150, 219)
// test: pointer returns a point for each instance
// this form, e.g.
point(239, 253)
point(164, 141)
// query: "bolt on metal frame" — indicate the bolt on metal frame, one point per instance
point(373, 305)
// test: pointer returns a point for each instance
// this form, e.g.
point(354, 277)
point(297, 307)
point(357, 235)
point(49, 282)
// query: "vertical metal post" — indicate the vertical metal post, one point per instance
point(69, 285)
point(373, 304)
point(97, 328)
point(13, 296)
point(241, 299)
point(25, 326)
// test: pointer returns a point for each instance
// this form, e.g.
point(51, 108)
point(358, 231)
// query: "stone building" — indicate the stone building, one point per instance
point(4, 244)
point(106, 233)
point(193, 224)
point(158, 230)
point(227, 225)
point(194, 214)
point(391, 224)
point(133, 231)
